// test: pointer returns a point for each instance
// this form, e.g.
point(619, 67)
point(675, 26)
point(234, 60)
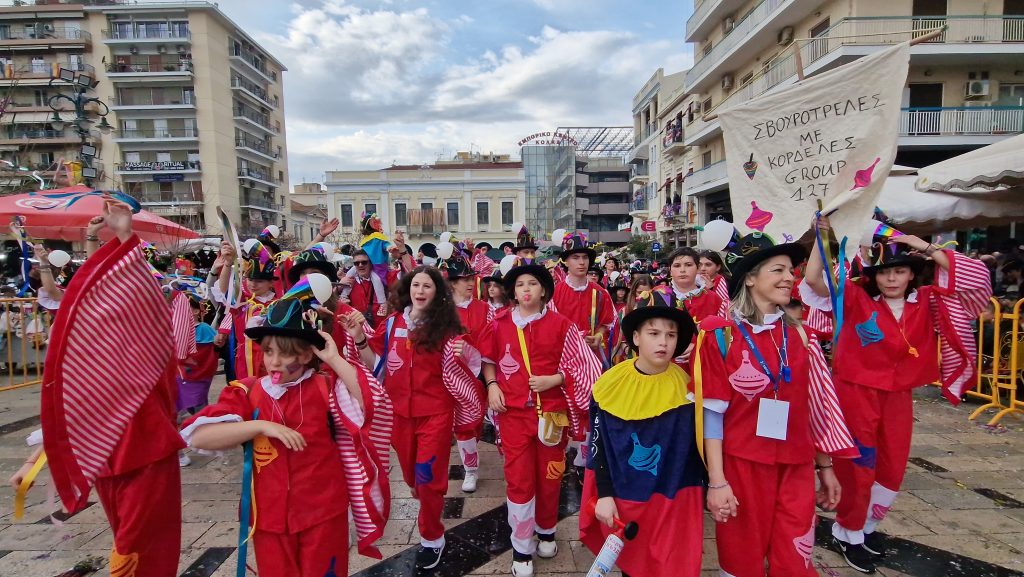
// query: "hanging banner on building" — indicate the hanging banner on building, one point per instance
point(831, 138)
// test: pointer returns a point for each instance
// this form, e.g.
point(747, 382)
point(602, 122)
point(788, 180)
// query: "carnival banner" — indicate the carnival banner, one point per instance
point(831, 138)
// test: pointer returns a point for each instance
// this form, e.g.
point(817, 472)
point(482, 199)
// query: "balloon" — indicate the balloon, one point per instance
point(717, 234)
point(507, 263)
point(557, 236)
point(516, 227)
point(327, 247)
point(321, 286)
point(59, 258)
point(445, 249)
point(248, 245)
point(273, 230)
point(445, 237)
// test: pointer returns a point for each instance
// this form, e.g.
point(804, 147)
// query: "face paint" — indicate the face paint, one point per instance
point(293, 368)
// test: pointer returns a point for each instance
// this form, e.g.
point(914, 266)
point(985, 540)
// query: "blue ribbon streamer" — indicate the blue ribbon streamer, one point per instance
point(378, 371)
point(76, 196)
point(837, 303)
point(245, 508)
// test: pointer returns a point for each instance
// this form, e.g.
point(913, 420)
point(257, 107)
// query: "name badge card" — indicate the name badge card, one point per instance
point(772, 419)
point(401, 333)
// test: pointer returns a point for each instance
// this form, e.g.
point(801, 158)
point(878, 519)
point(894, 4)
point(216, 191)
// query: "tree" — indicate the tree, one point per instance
point(640, 247)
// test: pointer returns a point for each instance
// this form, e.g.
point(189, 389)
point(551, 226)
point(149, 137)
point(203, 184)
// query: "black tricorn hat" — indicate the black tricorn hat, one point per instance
point(289, 317)
point(658, 304)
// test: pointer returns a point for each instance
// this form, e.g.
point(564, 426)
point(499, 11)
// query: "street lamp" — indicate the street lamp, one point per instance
point(79, 84)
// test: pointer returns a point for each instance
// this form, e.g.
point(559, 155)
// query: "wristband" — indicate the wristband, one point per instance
point(818, 467)
point(491, 382)
point(722, 486)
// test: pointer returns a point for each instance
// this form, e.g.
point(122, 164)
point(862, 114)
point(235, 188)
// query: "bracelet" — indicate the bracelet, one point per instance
point(722, 486)
point(490, 382)
point(92, 238)
point(818, 467)
point(931, 249)
point(361, 344)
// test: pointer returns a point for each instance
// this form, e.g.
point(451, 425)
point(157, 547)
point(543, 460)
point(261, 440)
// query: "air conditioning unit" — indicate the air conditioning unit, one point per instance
point(977, 88)
point(727, 82)
point(47, 27)
point(161, 49)
point(728, 24)
point(785, 36)
point(133, 49)
point(180, 49)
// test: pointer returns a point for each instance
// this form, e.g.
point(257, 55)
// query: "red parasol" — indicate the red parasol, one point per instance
point(64, 213)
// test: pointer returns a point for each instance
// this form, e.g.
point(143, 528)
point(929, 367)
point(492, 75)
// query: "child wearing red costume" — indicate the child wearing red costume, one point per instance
point(691, 291)
point(258, 298)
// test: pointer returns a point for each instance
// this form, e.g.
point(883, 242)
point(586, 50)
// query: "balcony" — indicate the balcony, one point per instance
point(260, 121)
point(172, 198)
point(165, 134)
point(256, 147)
point(639, 173)
point(706, 15)
point(672, 142)
point(155, 99)
point(711, 178)
point(40, 137)
point(164, 69)
point(254, 91)
point(253, 62)
point(142, 34)
point(158, 166)
point(646, 131)
point(260, 203)
point(425, 221)
point(27, 71)
point(610, 188)
point(736, 46)
point(959, 125)
point(259, 176)
point(44, 37)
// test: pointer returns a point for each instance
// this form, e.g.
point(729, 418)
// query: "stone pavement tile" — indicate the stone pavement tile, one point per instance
point(931, 451)
point(211, 492)
point(929, 439)
point(899, 524)
point(45, 564)
point(963, 463)
point(404, 508)
point(209, 511)
point(475, 506)
point(190, 532)
point(188, 557)
point(988, 550)
point(498, 566)
point(399, 532)
point(909, 502)
point(709, 556)
point(222, 534)
point(484, 488)
point(230, 565)
point(582, 556)
point(998, 480)
point(357, 562)
point(1017, 514)
point(950, 522)
point(562, 562)
point(954, 499)
point(1000, 450)
point(915, 480)
point(48, 537)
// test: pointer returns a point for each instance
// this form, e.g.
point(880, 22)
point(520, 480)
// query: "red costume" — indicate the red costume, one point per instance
point(772, 479)
point(248, 356)
point(476, 317)
point(301, 498)
point(363, 298)
point(109, 423)
point(431, 391)
point(884, 352)
point(533, 470)
point(589, 308)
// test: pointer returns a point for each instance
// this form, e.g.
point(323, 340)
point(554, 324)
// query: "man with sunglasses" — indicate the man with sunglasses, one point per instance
point(363, 289)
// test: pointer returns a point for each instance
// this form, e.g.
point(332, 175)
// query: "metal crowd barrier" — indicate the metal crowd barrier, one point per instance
point(24, 335)
point(1000, 363)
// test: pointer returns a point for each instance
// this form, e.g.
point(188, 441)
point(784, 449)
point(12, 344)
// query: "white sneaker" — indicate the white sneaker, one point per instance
point(547, 549)
point(522, 568)
point(183, 460)
point(469, 482)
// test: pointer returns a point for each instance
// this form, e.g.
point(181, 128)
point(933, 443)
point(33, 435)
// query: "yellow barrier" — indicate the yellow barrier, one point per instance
point(1004, 364)
point(24, 333)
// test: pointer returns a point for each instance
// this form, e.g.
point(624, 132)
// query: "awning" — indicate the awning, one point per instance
point(15, 117)
point(997, 165)
point(913, 211)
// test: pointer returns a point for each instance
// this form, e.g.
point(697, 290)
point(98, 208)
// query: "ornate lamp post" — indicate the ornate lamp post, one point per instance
point(79, 84)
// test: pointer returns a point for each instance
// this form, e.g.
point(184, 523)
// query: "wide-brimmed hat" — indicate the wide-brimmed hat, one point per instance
point(524, 240)
point(755, 248)
point(429, 249)
point(574, 243)
point(312, 259)
point(596, 270)
point(538, 271)
point(483, 244)
point(293, 315)
point(657, 303)
point(507, 244)
point(455, 267)
point(259, 261)
point(886, 254)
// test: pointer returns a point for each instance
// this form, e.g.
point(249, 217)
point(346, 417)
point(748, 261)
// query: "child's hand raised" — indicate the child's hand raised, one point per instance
point(290, 437)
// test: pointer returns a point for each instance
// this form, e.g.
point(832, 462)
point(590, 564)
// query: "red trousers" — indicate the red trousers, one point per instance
point(533, 477)
point(423, 445)
point(881, 423)
point(309, 553)
point(775, 520)
point(143, 508)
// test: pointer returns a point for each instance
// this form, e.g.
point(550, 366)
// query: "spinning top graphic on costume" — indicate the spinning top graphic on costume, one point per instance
point(644, 458)
point(750, 167)
point(263, 452)
point(868, 330)
point(747, 380)
point(758, 218)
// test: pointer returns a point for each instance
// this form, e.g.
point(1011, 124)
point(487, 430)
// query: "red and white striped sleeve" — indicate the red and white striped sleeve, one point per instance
point(828, 425)
point(580, 368)
point(184, 326)
point(722, 291)
point(226, 322)
point(463, 386)
point(482, 264)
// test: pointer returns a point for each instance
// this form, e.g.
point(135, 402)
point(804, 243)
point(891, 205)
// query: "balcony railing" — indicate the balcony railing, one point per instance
point(259, 92)
point(639, 170)
point(260, 202)
point(740, 32)
point(700, 12)
point(261, 175)
point(172, 197)
point(158, 165)
point(149, 67)
point(261, 120)
point(961, 121)
point(45, 69)
point(261, 147)
point(645, 132)
point(426, 220)
point(708, 174)
point(143, 33)
point(44, 32)
point(254, 60)
point(156, 97)
point(158, 133)
point(45, 134)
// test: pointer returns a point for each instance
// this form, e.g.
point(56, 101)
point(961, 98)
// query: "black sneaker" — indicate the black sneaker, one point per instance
point(428, 557)
point(856, 556)
point(875, 544)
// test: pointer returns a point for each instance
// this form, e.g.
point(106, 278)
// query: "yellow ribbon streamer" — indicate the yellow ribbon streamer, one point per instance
point(26, 484)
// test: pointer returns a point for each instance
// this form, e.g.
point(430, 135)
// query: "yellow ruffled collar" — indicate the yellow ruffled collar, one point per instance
point(628, 394)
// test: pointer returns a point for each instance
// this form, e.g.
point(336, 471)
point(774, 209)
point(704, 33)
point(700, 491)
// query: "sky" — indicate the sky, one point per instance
point(401, 81)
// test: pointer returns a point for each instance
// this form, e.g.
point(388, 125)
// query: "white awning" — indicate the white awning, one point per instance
point(15, 117)
point(997, 165)
point(911, 210)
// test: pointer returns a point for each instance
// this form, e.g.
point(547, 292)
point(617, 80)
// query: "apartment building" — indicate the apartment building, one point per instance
point(472, 195)
point(965, 88)
point(36, 42)
point(196, 104)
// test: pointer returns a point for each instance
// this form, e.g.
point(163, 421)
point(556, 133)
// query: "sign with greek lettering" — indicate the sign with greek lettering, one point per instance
point(831, 137)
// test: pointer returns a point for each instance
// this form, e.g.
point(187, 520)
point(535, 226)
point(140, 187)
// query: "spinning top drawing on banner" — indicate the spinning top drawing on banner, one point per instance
point(862, 177)
point(758, 218)
point(750, 167)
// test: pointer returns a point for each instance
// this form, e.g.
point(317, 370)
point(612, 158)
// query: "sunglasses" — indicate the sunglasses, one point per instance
point(361, 262)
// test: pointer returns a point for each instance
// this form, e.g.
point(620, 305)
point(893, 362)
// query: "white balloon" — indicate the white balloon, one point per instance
point(248, 245)
point(507, 263)
point(516, 227)
point(445, 250)
point(868, 236)
point(328, 248)
point(445, 237)
point(558, 235)
point(614, 276)
point(321, 285)
point(274, 230)
point(59, 258)
point(717, 234)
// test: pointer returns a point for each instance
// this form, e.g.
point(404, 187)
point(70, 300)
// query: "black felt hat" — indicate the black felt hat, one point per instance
point(429, 249)
point(260, 261)
point(538, 271)
point(456, 267)
point(524, 240)
point(312, 259)
point(755, 248)
point(574, 243)
point(508, 244)
point(288, 318)
point(658, 304)
point(886, 254)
